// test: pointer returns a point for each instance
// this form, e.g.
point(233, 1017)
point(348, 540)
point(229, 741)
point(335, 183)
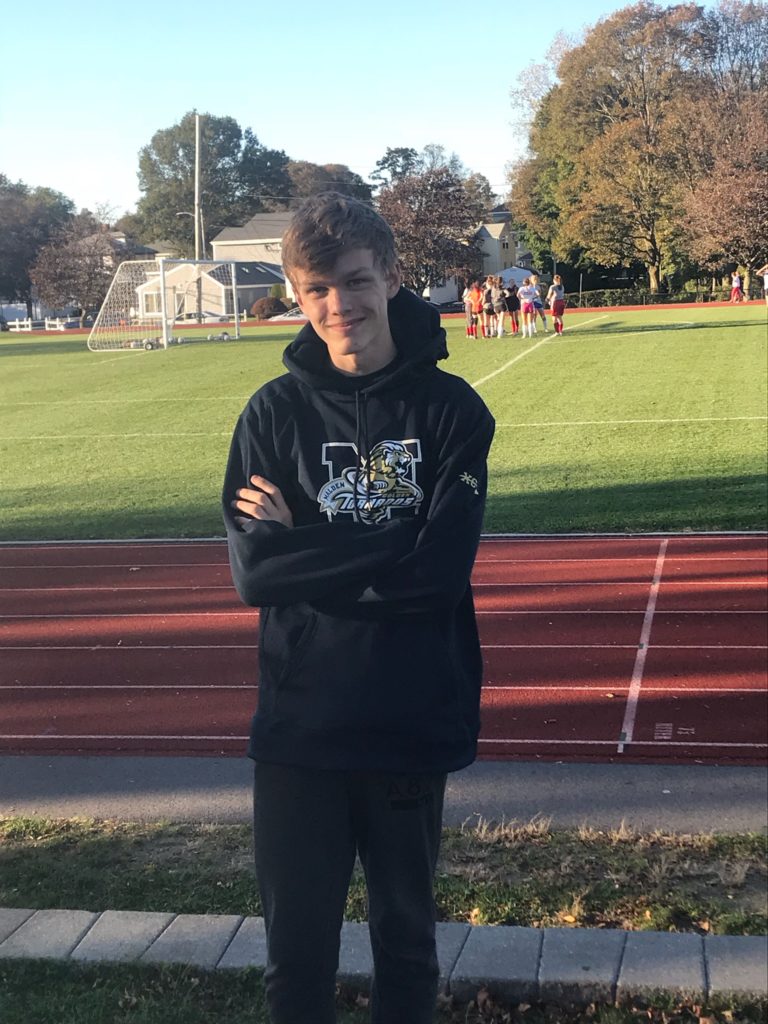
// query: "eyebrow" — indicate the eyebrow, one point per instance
point(315, 281)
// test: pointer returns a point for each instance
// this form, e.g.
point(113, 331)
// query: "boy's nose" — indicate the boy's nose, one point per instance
point(337, 300)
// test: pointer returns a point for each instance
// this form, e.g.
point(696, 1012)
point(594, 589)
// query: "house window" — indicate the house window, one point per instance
point(152, 302)
point(504, 243)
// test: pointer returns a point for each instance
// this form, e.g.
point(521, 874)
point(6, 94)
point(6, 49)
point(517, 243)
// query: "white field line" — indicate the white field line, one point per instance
point(611, 423)
point(522, 355)
point(131, 401)
point(630, 712)
point(112, 437)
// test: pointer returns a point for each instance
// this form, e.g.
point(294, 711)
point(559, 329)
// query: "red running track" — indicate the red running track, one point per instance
point(596, 648)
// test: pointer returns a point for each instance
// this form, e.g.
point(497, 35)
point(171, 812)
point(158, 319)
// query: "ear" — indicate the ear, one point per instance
point(394, 280)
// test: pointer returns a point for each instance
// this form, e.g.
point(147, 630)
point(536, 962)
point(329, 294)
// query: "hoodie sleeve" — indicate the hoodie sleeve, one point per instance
point(276, 565)
point(434, 575)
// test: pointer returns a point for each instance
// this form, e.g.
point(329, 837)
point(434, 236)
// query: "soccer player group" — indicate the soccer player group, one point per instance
point(487, 305)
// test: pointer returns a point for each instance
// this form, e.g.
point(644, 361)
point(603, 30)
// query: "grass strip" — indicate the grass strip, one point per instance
point(529, 875)
point(43, 992)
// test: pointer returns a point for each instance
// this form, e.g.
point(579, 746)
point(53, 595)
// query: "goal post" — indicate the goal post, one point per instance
point(149, 300)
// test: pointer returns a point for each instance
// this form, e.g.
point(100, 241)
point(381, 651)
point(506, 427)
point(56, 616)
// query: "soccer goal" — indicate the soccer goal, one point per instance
point(150, 300)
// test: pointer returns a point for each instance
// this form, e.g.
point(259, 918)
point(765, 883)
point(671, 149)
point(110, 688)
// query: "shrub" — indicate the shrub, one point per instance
point(277, 291)
point(269, 306)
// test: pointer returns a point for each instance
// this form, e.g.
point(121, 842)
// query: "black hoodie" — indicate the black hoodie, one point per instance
point(368, 651)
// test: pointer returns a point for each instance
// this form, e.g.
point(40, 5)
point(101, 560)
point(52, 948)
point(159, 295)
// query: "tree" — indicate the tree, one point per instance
point(642, 107)
point(77, 267)
point(28, 220)
point(238, 177)
point(307, 179)
point(433, 219)
point(479, 190)
point(394, 165)
point(727, 211)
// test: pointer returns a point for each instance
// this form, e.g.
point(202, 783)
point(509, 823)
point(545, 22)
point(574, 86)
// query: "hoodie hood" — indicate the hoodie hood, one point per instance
point(416, 332)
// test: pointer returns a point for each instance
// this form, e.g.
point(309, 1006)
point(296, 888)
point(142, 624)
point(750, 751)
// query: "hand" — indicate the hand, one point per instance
point(263, 501)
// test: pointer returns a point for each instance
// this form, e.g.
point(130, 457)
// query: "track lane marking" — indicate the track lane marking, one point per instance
point(630, 712)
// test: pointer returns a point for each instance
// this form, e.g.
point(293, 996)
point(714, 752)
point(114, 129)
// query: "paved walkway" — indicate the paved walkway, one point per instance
point(575, 965)
point(670, 797)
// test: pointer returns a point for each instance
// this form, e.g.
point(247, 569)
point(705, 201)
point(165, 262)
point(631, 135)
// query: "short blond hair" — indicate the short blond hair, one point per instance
point(328, 223)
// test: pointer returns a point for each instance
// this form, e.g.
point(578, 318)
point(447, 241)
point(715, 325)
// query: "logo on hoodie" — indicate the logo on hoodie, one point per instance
point(374, 485)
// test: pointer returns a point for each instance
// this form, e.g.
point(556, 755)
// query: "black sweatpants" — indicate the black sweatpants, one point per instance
point(308, 826)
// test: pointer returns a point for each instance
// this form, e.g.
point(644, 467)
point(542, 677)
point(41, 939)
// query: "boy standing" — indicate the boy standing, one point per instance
point(353, 501)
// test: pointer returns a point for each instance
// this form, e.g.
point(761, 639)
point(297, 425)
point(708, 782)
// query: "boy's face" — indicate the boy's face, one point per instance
point(347, 307)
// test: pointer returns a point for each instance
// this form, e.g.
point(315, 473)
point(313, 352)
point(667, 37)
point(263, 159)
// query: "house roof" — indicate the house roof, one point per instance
point(249, 273)
point(259, 227)
point(494, 229)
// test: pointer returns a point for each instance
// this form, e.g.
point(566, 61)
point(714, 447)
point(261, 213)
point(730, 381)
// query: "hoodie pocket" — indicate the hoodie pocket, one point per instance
point(286, 636)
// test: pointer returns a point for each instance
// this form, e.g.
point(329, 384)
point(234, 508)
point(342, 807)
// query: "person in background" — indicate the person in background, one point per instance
point(526, 295)
point(556, 302)
point(489, 317)
point(513, 306)
point(538, 305)
point(763, 272)
point(466, 298)
point(476, 301)
point(499, 305)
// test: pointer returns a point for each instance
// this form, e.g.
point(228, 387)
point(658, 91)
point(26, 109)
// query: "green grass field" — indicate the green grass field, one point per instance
point(631, 421)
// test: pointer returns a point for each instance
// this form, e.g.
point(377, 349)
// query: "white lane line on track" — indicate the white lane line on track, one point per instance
point(127, 565)
point(517, 688)
point(122, 736)
point(527, 352)
point(630, 647)
point(54, 738)
point(609, 743)
point(555, 561)
point(130, 647)
point(630, 712)
point(625, 611)
point(505, 687)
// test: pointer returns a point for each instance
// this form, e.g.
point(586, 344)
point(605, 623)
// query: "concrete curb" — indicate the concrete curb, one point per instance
point(555, 965)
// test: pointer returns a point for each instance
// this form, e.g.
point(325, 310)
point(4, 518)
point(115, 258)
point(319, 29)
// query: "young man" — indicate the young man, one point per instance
point(353, 502)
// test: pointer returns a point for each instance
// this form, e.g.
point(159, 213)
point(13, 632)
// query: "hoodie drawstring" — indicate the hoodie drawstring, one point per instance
point(363, 454)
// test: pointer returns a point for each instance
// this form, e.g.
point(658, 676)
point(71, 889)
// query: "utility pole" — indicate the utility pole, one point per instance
point(197, 219)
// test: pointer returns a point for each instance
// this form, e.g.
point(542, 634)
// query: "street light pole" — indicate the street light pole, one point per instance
point(197, 186)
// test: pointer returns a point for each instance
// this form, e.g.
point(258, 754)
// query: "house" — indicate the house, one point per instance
point(254, 280)
point(260, 240)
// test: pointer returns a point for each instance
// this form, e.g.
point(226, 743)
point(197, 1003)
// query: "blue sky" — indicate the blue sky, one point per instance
point(85, 85)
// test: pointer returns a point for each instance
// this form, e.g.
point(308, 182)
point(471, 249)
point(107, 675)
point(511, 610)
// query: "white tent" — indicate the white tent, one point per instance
point(516, 274)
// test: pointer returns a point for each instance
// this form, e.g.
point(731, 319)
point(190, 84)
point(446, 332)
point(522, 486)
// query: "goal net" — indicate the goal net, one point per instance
point(150, 303)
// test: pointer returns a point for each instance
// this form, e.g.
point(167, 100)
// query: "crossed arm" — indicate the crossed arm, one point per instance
point(263, 501)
